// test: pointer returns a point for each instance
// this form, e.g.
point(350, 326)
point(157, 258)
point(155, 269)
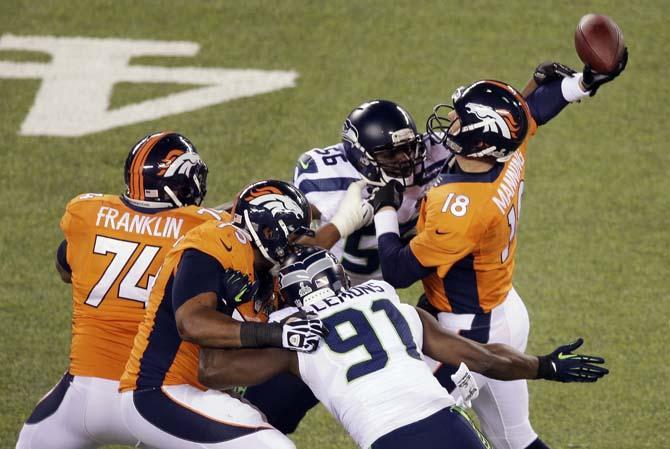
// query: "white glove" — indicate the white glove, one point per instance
point(467, 386)
point(354, 212)
point(302, 333)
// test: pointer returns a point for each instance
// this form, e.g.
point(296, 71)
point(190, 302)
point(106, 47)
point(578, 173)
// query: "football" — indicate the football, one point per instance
point(599, 42)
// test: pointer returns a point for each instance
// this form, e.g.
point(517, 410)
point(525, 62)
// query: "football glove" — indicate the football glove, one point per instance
point(564, 366)
point(353, 212)
point(302, 332)
point(389, 195)
point(592, 80)
point(237, 287)
point(551, 71)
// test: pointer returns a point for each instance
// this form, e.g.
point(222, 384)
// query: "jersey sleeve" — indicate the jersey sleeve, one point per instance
point(324, 175)
point(446, 236)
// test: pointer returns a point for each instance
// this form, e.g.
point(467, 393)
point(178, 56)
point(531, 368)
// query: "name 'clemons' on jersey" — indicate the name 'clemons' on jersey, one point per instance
point(323, 175)
point(361, 369)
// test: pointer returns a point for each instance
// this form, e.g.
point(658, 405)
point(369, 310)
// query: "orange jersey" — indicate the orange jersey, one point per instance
point(159, 355)
point(114, 252)
point(467, 230)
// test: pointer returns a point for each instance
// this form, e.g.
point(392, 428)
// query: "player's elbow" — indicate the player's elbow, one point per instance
point(187, 327)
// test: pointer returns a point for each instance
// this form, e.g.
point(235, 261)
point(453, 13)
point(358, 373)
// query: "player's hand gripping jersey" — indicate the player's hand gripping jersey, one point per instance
point(360, 371)
point(159, 355)
point(467, 230)
point(323, 175)
point(114, 253)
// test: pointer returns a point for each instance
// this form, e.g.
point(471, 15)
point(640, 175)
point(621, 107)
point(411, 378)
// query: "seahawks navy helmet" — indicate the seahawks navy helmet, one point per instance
point(309, 275)
point(380, 139)
point(165, 170)
point(491, 120)
point(275, 213)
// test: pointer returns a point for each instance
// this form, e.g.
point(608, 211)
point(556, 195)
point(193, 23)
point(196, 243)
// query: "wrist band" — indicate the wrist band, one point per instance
point(260, 335)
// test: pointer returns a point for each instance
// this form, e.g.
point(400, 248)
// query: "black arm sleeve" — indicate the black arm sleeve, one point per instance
point(61, 256)
point(400, 267)
point(546, 102)
point(197, 273)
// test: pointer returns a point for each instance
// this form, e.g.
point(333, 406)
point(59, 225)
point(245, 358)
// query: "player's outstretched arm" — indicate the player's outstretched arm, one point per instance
point(497, 361)
point(502, 362)
point(220, 368)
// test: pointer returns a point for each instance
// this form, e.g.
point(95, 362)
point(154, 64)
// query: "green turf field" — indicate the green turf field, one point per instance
point(593, 255)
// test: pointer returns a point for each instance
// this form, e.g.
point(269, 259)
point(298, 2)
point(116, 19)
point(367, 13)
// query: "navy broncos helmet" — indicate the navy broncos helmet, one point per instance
point(274, 213)
point(380, 139)
point(310, 274)
point(492, 120)
point(165, 170)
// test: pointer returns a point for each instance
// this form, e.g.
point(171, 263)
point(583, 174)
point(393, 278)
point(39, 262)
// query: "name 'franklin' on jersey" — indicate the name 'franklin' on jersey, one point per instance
point(324, 175)
point(369, 372)
point(114, 252)
point(467, 230)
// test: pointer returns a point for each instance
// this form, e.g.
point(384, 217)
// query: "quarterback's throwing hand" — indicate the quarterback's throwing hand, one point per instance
point(592, 80)
point(303, 333)
point(564, 366)
point(389, 195)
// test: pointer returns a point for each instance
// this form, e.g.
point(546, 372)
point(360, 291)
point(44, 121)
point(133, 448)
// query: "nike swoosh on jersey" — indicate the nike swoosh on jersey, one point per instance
point(229, 248)
point(438, 232)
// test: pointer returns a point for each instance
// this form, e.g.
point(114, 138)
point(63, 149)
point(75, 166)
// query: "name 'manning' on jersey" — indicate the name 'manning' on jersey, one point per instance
point(324, 175)
point(114, 252)
point(369, 371)
point(159, 356)
point(467, 230)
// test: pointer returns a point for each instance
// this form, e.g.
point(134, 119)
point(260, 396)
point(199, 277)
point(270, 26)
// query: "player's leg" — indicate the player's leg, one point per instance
point(447, 428)
point(103, 397)
point(502, 407)
point(284, 399)
point(182, 416)
point(57, 422)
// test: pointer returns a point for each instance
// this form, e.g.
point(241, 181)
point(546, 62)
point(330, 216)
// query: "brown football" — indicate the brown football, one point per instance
point(599, 42)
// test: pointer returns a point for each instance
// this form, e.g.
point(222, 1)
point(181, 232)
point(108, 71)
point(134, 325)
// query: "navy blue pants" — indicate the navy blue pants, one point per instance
point(446, 429)
point(284, 400)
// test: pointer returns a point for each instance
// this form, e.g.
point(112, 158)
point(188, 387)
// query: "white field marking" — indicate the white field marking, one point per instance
point(77, 83)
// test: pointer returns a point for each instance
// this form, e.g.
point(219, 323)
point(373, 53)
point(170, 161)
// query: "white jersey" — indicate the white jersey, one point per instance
point(323, 175)
point(369, 371)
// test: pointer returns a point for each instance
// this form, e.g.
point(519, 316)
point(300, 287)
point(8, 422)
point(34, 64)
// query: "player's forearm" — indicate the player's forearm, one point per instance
point(198, 322)
point(326, 237)
point(506, 363)
point(220, 368)
point(400, 267)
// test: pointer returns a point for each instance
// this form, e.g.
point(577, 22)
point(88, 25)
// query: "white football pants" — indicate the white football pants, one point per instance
point(502, 406)
point(184, 417)
point(78, 413)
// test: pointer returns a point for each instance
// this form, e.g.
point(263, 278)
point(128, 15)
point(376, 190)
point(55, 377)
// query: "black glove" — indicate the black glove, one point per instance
point(551, 71)
point(564, 366)
point(237, 287)
point(592, 80)
point(388, 195)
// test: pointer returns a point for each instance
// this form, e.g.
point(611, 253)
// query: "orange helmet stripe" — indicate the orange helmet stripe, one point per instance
point(136, 180)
